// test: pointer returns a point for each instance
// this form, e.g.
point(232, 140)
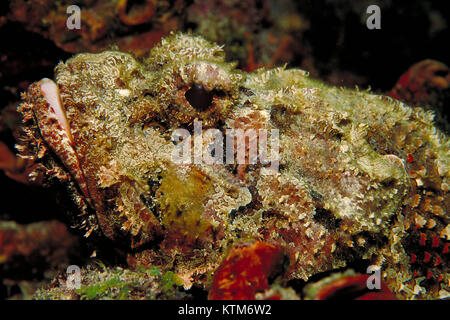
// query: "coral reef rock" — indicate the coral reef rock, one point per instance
point(352, 176)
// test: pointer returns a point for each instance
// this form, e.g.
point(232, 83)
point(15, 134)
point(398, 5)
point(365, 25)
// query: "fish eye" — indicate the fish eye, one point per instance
point(198, 97)
point(441, 73)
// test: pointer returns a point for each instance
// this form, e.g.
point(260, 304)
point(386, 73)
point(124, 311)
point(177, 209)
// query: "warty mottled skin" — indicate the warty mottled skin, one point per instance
point(361, 176)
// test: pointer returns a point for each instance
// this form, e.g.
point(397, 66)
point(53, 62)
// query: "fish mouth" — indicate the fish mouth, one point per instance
point(55, 130)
